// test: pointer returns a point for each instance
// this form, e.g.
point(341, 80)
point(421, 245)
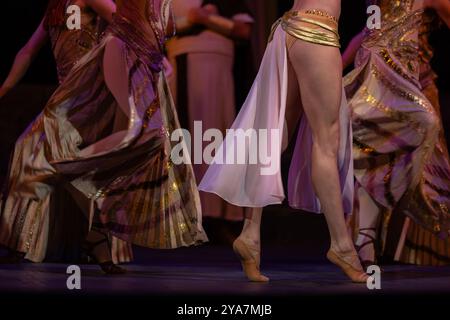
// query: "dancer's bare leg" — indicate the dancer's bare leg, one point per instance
point(98, 243)
point(116, 78)
point(251, 232)
point(321, 89)
point(318, 70)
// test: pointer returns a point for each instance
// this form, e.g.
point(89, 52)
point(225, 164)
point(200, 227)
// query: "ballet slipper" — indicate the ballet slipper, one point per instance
point(355, 273)
point(250, 262)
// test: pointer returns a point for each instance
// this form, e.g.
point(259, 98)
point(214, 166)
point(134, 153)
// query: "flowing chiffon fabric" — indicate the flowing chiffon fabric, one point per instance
point(113, 157)
point(248, 184)
point(43, 229)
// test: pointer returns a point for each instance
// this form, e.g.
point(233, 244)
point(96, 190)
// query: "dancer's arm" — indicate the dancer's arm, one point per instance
point(104, 8)
point(442, 7)
point(232, 28)
point(24, 58)
point(348, 57)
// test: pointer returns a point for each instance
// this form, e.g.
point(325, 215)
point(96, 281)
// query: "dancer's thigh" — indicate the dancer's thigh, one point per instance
point(116, 74)
point(319, 73)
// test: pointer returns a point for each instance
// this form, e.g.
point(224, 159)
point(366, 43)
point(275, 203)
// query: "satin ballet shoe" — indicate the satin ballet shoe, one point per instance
point(249, 261)
point(356, 274)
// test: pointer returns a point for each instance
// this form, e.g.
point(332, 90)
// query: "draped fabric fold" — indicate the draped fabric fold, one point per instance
point(258, 184)
point(109, 141)
point(400, 159)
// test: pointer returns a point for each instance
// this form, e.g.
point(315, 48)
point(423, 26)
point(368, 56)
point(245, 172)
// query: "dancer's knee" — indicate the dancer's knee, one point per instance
point(326, 140)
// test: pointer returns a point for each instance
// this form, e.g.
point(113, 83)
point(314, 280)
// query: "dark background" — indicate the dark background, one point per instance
point(18, 20)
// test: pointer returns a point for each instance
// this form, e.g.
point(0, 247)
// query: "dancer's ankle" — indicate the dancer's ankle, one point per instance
point(367, 253)
point(343, 247)
point(365, 245)
point(250, 241)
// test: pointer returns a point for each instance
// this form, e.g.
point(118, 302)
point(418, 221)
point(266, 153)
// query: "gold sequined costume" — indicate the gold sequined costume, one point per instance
point(108, 143)
point(315, 26)
point(42, 233)
point(401, 159)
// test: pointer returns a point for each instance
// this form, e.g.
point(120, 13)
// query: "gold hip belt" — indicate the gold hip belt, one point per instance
point(313, 26)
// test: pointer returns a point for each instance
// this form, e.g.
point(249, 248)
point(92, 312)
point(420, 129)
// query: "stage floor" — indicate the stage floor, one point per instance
point(213, 270)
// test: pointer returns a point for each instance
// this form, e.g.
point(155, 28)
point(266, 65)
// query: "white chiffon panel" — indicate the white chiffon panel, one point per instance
point(265, 107)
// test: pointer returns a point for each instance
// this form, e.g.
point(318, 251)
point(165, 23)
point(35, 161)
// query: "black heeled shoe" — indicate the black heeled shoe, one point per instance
point(367, 263)
point(108, 267)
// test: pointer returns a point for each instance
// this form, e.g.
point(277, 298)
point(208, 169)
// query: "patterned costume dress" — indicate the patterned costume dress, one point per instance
point(111, 154)
point(30, 232)
point(401, 159)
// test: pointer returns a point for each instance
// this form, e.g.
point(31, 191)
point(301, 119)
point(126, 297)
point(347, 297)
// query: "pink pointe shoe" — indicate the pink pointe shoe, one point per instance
point(349, 264)
point(250, 261)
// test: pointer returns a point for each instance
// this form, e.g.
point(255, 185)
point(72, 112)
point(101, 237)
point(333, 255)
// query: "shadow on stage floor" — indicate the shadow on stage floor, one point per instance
point(213, 270)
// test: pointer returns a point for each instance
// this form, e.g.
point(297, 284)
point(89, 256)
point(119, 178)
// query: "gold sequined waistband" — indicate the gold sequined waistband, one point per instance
point(321, 13)
point(313, 26)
